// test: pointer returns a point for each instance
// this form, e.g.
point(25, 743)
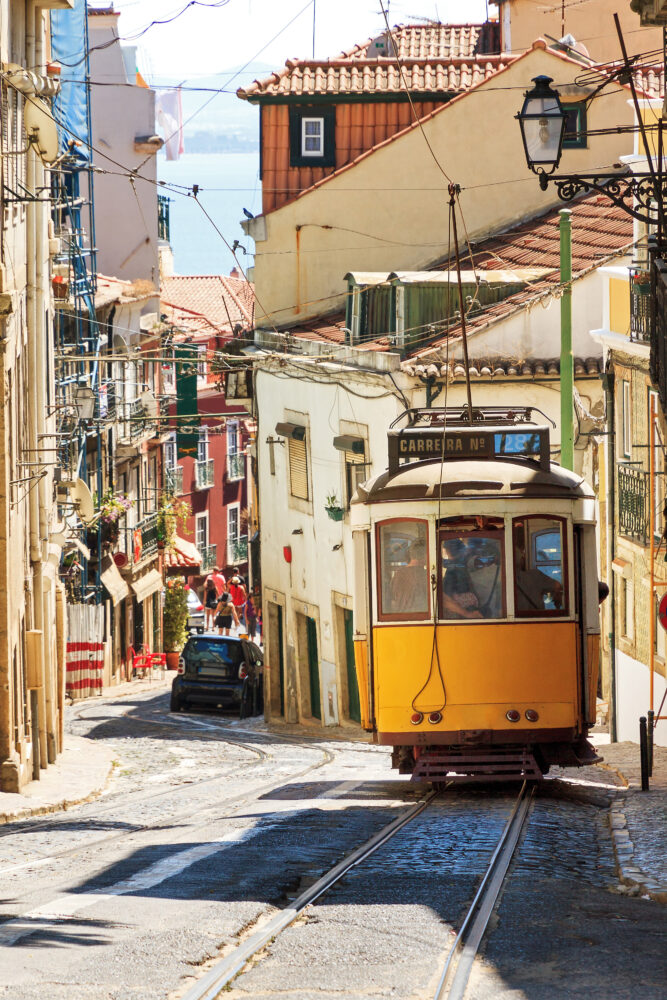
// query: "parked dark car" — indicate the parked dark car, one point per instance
point(219, 672)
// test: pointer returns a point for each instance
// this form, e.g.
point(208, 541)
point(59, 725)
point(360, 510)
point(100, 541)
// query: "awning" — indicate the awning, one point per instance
point(347, 442)
point(182, 554)
point(296, 431)
point(113, 581)
point(147, 584)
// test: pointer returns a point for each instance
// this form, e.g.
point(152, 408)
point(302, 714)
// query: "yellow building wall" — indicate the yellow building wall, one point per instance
point(619, 305)
point(389, 211)
point(591, 23)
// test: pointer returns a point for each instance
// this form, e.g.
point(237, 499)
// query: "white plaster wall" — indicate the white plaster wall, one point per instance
point(632, 699)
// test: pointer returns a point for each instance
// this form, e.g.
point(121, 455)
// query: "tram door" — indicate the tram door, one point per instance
point(313, 668)
point(354, 707)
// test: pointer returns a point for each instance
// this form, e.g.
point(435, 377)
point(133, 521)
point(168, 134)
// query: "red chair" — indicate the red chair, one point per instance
point(139, 661)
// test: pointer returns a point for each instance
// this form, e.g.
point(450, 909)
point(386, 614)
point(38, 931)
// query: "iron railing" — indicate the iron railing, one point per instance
point(141, 540)
point(236, 465)
point(163, 227)
point(105, 401)
point(208, 558)
point(633, 504)
point(173, 480)
point(237, 550)
point(640, 306)
point(204, 474)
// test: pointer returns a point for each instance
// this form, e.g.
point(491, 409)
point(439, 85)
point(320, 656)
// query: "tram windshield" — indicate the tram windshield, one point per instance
point(472, 573)
point(404, 584)
point(539, 571)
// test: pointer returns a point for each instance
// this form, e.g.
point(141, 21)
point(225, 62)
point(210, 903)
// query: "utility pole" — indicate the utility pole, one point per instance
point(566, 358)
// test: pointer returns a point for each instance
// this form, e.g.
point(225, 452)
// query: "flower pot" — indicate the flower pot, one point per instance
point(172, 661)
point(336, 513)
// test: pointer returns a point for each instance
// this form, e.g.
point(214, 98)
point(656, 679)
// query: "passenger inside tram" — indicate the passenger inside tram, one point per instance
point(472, 576)
point(538, 566)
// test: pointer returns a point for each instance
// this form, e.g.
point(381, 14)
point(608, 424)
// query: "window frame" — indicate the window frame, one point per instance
point(203, 444)
point(492, 534)
point(626, 419)
point(327, 156)
point(578, 139)
point(202, 518)
point(403, 616)
point(563, 613)
point(312, 153)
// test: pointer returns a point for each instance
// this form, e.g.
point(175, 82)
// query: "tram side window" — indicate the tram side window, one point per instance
point(404, 579)
point(540, 586)
point(472, 575)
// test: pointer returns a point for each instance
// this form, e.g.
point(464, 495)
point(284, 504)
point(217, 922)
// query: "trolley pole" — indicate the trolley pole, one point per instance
point(566, 358)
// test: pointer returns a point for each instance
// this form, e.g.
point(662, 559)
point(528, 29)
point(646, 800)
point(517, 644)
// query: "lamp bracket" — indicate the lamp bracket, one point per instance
point(633, 193)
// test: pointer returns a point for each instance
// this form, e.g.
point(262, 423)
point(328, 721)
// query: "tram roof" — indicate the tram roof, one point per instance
point(464, 477)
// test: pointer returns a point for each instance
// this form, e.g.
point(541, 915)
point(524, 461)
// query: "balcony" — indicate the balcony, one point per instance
point(105, 401)
point(237, 550)
point(633, 504)
point(235, 466)
point(140, 542)
point(173, 480)
point(640, 307)
point(204, 474)
point(208, 558)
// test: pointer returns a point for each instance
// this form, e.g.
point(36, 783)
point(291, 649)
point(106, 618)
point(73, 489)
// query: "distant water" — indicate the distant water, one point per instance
point(197, 247)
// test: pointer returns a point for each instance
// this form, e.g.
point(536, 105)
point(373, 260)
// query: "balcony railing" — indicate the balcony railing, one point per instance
point(163, 217)
point(237, 550)
point(236, 465)
point(208, 558)
point(640, 306)
point(105, 401)
point(633, 504)
point(204, 474)
point(140, 541)
point(173, 480)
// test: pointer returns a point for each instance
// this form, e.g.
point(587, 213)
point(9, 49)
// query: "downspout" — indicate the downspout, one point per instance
point(611, 529)
point(297, 309)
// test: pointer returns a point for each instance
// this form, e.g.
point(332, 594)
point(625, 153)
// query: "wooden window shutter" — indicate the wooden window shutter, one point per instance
point(298, 468)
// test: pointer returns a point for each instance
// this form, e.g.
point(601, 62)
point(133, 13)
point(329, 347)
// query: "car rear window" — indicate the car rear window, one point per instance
point(212, 656)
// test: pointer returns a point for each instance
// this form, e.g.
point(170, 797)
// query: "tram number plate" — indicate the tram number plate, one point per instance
point(452, 443)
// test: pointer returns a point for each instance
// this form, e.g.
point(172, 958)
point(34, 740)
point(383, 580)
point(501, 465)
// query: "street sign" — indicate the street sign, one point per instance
point(662, 612)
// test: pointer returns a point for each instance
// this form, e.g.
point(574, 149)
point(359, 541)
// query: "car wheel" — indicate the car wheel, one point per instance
point(175, 705)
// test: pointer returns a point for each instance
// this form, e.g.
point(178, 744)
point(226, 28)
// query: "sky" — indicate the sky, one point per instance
point(208, 39)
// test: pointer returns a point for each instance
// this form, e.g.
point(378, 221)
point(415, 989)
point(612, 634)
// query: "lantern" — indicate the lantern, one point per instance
point(542, 122)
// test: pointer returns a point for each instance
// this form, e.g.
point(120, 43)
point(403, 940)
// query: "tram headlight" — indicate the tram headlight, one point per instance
point(512, 715)
point(532, 715)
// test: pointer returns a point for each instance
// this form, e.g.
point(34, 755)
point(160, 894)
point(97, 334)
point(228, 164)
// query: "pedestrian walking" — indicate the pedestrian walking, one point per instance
point(225, 614)
point(218, 581)
point(251, 617)
point(211, 598)
point(239, 596)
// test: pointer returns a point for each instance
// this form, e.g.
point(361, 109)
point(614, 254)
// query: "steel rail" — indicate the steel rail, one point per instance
point(462, 954)
point(222, 973)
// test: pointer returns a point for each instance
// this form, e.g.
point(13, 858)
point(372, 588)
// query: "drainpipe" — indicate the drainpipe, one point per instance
point(608, 383)
point(297, 310)
point(566, 358)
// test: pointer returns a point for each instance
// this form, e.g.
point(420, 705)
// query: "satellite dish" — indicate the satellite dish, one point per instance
point(149, 403)
point(120, 559)
point(41, 128)
point(83, 498)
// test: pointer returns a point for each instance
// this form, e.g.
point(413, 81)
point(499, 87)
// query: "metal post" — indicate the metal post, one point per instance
point(566, 358)
point(643, 752)
point(650, 725)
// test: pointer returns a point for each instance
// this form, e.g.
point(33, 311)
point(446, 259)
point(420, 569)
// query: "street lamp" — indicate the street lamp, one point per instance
point(542, 124)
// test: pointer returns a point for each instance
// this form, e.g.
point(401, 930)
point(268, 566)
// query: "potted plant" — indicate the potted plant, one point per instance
point(173, 513)
point(333, 507)
point(175, 619)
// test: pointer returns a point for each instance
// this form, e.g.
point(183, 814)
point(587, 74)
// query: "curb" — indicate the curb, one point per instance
point(61, 806)
point(629, 874)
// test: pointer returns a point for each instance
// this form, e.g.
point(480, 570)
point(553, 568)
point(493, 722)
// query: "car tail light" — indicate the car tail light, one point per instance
point(181, 665)
point(416, 718)
point(434, 718)
point(243, 672)
point(200, 607)
point(512, 715)
point(532, 715)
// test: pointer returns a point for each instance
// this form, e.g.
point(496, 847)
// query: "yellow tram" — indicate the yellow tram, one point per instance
point(476, 599)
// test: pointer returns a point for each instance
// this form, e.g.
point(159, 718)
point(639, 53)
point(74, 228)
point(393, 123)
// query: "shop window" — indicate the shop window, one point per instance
point(403, 570)
point(540, 579)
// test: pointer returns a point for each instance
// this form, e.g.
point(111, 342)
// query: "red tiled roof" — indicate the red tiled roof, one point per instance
point(208, 303)
point(435, 58)
point(600, 231)
point(505, 367)
point(182, 554)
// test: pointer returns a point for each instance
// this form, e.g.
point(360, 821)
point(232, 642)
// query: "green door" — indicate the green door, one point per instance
point(281, 658)
point(313, 669)
point(354, 707)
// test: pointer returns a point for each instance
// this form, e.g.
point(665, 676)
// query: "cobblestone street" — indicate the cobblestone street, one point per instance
point(209, 825)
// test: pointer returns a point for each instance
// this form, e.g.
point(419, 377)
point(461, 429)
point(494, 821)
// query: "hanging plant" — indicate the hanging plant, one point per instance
point(173, 514)
point(113, 506)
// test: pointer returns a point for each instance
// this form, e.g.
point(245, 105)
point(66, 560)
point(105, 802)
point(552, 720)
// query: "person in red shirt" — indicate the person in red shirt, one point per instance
point(218, 580)
point(239, 596)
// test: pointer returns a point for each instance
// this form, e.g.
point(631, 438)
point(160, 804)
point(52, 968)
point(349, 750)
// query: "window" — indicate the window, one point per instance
point(355, 472)
point(658, 467)
point(403, 569)
point(232, 437)
point(233, 523)
point(297, 453)
point(202, 364)
point(201, 533)
point(626, 421)
point(170, 453)
point(540, 582)
point(202, 446)
point(472, 570)
point(626, 608)
point(575, 126)
point(312, 136)
point(658, 631)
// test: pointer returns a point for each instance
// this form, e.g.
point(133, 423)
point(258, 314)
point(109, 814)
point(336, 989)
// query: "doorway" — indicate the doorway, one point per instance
point(313, 668)
point(353, 704)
